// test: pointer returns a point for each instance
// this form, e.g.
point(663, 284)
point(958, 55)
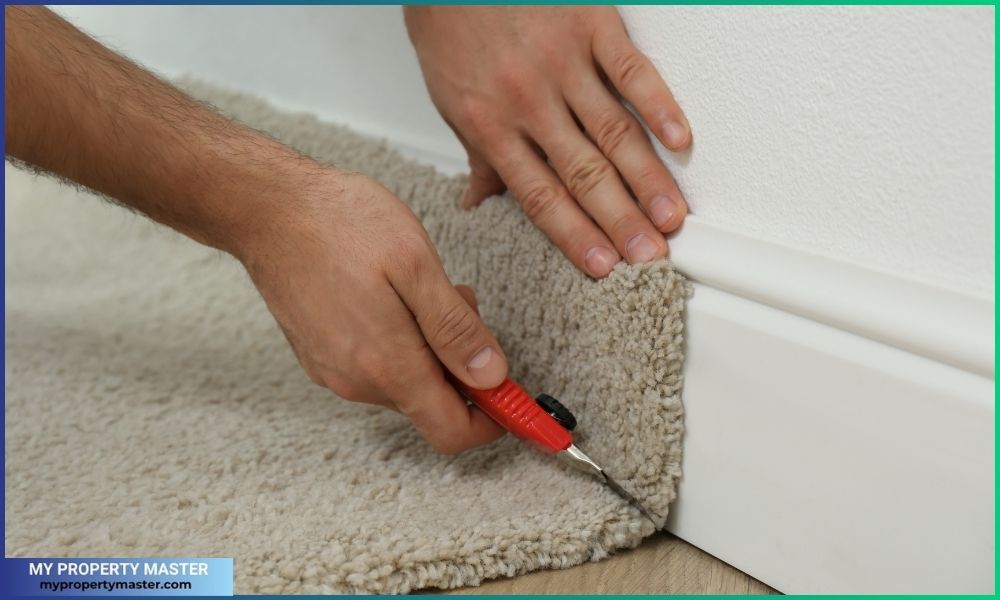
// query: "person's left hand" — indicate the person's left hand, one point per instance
point(524, 88)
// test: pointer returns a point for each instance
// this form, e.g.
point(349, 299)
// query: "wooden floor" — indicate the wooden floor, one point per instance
point(663, 564)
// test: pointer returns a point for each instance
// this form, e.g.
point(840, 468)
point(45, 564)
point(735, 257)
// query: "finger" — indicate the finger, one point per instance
point(620, 138)
point(636, 78)
point(469, 295)
point(412, 380)
point(550, 207)
point(598, 188)
point(440, 415)
point(483, 182)
point(453, 330)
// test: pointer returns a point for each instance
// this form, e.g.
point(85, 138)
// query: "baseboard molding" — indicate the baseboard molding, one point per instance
point(840, 420)
point(940, 324)
point(820, 461)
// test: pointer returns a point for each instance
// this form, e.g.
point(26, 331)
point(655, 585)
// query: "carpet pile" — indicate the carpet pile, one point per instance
point(153, 407)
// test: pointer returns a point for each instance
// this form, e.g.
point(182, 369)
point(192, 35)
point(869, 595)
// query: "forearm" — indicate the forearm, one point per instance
point(81, 111)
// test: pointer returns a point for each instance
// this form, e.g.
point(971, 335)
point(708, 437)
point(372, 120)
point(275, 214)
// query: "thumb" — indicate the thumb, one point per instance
point(454, 331)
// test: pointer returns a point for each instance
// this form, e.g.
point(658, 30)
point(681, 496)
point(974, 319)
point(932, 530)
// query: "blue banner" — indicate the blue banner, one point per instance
point(117, 576)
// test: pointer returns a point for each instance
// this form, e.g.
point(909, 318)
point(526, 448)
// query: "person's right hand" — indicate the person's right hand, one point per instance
point(345, 267)
point(359, 290)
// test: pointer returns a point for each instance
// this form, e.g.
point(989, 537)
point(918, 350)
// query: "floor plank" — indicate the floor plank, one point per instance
point(663, 564)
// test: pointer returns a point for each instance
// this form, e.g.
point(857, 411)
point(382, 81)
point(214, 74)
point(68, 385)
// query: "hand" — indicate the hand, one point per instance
point(344, 266)
point(524, 89)
point(358, 288)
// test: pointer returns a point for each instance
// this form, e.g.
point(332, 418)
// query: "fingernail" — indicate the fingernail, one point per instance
point(641, 249)
point(675, 133)
point(600, 260)
point(661, 210)
point(481, 358)
point(483, 366)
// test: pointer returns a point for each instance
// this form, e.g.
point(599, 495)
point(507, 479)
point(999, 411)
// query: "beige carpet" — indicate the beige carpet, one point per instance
point(154, 409)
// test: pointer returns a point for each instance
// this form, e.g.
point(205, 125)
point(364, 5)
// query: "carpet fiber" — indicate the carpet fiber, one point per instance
point(154, 409)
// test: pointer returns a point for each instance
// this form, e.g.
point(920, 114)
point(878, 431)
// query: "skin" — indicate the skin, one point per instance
point(535, 95)
point(344, 266)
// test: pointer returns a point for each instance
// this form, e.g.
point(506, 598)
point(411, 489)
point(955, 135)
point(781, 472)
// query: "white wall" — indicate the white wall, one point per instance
point(348, 63)
point(862, 133)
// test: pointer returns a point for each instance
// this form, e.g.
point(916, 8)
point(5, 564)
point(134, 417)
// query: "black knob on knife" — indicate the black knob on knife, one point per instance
point(557, 411)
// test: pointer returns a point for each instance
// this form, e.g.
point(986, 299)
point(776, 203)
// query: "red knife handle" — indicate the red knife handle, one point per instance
point(517, 412)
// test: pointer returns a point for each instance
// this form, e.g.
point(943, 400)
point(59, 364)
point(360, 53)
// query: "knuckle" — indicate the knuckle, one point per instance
point(612, 130)
point(584, 176)
point(409, 256)
point(622, 226)
point(519, 88)
point(552, 50)
point(628, 65)
point(540, 201)
point(374, 368)
point(650, 176)
point(456, 327)
point(474, 116)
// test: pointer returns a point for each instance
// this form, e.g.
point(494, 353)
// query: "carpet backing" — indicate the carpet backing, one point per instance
point(153, 407)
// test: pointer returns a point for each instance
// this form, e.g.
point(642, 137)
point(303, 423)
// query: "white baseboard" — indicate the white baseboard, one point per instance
point(941, 324)
point(820, 461)
point(840, 420)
